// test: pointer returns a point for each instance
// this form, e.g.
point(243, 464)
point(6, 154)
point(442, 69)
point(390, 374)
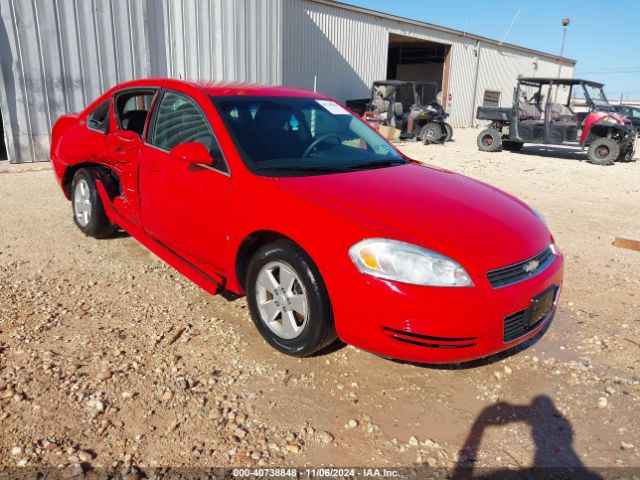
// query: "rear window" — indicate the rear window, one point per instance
point(98, 120)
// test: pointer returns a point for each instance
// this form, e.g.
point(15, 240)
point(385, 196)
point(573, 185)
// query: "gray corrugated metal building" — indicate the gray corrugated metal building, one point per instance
point(58, 55)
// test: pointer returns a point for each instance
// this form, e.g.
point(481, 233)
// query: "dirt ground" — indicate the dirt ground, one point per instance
point(109, 358)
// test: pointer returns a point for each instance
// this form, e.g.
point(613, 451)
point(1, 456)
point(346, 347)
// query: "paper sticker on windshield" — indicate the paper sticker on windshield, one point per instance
point(333, 107)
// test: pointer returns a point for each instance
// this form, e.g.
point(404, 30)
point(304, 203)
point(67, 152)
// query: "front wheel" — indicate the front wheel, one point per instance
point(288, 300)
point(603, 151)
point(88, 212)
point(431, 133)
point(489, 140)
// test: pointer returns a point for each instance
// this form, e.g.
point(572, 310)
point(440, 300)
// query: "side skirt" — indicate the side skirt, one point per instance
point(212, 284)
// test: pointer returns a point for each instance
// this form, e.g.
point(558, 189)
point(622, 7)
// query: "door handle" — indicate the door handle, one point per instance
point(118, 148)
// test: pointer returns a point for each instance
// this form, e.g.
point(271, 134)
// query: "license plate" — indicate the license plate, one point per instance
point(542, 304)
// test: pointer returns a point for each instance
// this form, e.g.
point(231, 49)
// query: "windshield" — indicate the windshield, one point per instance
point(426, 93)
point(598, 98)
point(284, 136)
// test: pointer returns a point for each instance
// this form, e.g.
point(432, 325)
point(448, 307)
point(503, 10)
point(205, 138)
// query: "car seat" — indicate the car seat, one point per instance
point(134, 120)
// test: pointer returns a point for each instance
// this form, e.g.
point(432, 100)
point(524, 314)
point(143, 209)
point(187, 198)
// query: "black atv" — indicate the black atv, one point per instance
point(409, 106)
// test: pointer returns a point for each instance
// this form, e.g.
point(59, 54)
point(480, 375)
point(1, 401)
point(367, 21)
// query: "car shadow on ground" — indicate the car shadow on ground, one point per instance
point(551, 431)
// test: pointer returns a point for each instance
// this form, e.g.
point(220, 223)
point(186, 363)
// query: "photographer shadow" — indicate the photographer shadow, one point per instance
point(552, 434)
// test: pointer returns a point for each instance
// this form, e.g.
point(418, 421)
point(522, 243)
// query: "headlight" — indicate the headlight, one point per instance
point(539, 215)
point(407, 263)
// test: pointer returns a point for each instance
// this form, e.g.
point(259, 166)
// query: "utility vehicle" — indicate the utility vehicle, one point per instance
point(538, 117)
point(409, 106)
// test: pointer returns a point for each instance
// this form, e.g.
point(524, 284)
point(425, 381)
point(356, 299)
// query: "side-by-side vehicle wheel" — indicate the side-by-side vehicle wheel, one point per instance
point(490, 140)
point(603, 151)
point(431, 133)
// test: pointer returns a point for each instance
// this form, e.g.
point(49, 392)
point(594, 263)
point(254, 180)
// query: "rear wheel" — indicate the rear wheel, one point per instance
point(88, 212)
point(603, 151)
point(489, 140)
point(512, 146)
point(431, 133)
point(448, 132)
point(288, 300)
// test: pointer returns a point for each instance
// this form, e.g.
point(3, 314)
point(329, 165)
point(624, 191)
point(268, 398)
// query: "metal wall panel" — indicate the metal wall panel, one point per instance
point(56, 56)
point(346, 50)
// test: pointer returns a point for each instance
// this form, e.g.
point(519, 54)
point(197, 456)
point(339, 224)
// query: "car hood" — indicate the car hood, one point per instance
point(476, 224)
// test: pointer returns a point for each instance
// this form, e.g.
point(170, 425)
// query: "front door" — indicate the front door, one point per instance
point(182, 204)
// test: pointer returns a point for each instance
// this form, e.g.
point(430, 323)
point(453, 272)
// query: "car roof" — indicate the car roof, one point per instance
point(558, 81)
point(219, 88)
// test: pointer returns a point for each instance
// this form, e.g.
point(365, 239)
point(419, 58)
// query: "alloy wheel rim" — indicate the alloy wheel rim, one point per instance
point(82, 202)
point(282, 300)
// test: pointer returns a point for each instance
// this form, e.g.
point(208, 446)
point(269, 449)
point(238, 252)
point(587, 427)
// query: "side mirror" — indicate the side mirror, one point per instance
point(191, 152)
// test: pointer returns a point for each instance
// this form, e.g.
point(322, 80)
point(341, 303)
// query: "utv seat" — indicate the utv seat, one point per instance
point(562, 114)
point(529, 113)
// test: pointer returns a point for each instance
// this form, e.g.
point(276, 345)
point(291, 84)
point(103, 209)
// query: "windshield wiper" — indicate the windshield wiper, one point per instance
point(379, 163)
point(300, 168)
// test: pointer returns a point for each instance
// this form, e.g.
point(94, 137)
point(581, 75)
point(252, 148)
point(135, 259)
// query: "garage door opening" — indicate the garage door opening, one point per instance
point(3, 146)
point(411, 58)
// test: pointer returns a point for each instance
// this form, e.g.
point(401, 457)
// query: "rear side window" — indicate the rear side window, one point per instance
point(179, 120)
point(98, 120)
point(132, 107)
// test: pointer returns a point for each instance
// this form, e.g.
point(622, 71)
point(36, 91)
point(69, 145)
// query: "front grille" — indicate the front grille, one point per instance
point(518, 272)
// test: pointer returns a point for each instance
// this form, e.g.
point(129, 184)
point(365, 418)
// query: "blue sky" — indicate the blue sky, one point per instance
point(604, 37)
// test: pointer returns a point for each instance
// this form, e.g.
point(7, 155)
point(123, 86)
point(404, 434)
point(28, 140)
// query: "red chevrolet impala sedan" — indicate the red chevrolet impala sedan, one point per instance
point(285, 196)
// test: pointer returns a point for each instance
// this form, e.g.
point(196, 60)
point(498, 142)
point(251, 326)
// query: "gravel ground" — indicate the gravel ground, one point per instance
point(109, 358)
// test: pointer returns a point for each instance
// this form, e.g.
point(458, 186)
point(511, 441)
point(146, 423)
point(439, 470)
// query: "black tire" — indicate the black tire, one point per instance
point(489, 140)
point(448, 135)
point(98, 225)
point(626, 155)
point(431, 133)
point(603, 151)
point(319, 331)
point(512, 146)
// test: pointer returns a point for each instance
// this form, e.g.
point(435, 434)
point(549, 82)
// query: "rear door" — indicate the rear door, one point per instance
point(131, 109)
point(182, 204)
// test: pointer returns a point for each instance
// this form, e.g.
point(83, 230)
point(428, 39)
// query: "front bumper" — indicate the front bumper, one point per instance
point(435, 324)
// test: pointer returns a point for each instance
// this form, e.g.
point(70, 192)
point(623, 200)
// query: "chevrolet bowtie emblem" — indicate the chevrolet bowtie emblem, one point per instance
point(531, 266)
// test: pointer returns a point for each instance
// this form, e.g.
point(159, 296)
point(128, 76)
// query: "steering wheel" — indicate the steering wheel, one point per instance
point(318, 141)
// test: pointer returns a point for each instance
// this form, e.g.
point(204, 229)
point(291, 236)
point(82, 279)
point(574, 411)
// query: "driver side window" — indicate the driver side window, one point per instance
point(178, 119)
